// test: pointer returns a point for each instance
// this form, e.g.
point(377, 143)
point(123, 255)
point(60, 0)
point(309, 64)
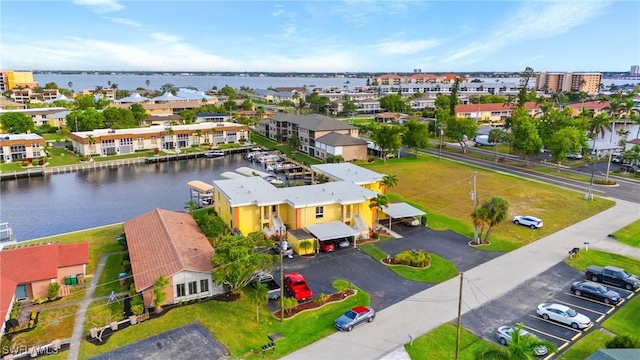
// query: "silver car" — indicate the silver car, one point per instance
point(563, 314)
point(504, 337)
point(354, 317)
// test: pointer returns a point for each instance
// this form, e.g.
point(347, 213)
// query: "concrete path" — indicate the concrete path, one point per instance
point(76, 339)
point(429, 309)
point(611, 245)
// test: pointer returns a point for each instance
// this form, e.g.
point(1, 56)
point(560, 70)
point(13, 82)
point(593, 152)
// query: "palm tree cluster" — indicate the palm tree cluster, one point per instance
point(491, 213)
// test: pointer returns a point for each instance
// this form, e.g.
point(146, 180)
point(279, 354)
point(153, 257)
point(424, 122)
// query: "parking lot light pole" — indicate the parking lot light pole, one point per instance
point(281, 284)
point(589, 195)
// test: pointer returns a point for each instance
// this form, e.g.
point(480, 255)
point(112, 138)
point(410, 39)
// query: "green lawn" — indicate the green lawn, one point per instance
point(629, 234)
point(52, 325)
point(440, 270)
point(109, 279)
point(285, 149)
point(625, 321)
point(586, 346)
point(440, 343)
point(137, 154)
point(442, 190)
point(234, 325)
point(601, 258)
point(100, 313)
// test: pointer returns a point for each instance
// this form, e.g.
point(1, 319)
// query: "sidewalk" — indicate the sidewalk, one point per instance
point(429, 309)
point(78, 327)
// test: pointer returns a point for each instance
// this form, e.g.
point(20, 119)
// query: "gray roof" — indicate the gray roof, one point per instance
point(401, 210)
point(134, 98)
point(315, 122)
point(335, 139)
point(29, 136)
point(167, 97)
point(615, 354)
point(256, 191)
point(348, 172)
point(331, 230)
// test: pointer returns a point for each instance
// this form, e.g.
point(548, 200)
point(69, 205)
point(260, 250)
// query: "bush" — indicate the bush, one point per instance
point(41, 162)
point(31, 323)
point(69, 147)
point(126, 265)
point(33, 315)
point(622, 341)
point(25, 163)
point(39, 301)
point(321, 299)
point(15, 310)
point(54, 289)
point(137, 309)
point(417, 258)
point(289, 303)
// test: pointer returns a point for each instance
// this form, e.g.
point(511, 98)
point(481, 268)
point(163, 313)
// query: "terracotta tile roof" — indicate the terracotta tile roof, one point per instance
point(491, 107)
point(389, 76)
point(595, 105)
point(163, 242)
point(31, 263)
point(73, 254)
point(7, 290)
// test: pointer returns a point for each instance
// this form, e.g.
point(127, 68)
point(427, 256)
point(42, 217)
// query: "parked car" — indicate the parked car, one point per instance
point(297, 286)
point(563, 314)
point(343, 243)
point(530, 221)
point(504, 337)
point(482, 140)
point(616, 160)
point(327, 246)
point(354, 317)
point(595, 291)
point(574, 156)
point(273, 289)
point(634, 169)
point(411, 221)
point(282, 247)
point(613, 276)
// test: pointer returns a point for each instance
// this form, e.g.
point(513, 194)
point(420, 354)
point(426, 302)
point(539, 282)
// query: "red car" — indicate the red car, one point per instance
point(327, 246)
point(297, 286)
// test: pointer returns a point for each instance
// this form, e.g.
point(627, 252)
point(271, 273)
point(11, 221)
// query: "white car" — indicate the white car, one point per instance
point(411, 221)
point(504, 337)
point(574, 156)
point(563, 314)
point(530, 221)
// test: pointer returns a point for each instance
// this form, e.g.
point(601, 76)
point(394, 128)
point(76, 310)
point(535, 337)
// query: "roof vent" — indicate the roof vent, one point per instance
point(333, 193)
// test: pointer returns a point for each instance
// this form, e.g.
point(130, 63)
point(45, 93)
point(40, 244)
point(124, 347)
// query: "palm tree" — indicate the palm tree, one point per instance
point(198, 134)
point(497, 211)
point(259, 295)
point(479, 217)
point(520, 347)
point(598, 125)
point(91, 142)
point(495, 136)
point(635, 119)
point(379, 203)
point(388, 182)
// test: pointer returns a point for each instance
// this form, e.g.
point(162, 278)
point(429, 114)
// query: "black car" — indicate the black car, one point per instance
point(595, 291)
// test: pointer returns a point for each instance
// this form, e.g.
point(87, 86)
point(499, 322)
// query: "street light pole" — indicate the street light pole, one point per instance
point(441, 140)
point(589, 195)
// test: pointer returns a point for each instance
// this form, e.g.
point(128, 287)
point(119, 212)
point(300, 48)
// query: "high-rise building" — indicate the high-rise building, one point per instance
point(12, 79)
point(569, 82)
point(635, 70)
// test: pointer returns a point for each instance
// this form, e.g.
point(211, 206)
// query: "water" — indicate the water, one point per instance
point(54, 204)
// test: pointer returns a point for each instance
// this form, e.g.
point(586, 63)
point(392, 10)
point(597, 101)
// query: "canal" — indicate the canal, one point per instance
point(55, 204)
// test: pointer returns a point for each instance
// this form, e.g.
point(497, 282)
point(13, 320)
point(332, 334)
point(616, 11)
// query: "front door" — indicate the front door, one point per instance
point(21, 292)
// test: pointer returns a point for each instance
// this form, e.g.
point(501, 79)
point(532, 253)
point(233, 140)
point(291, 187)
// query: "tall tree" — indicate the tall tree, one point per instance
point(388, 182)
point(565, 141)
point(159, 294)
point(17, 123)
point(416, 135)
point(453, 98)
point(229, 92)
point(379, 203)
point(388, 138)
point(461, 130)
point(139, 113)
point(597, 126)
point(525, 138)
point(393, 103)
point(119, 118)
point(259, 296)
point(247, 104)
point(294, 143)
point(523, 93)
point(480, 220)
point(495, 136)
point(316, 102)
point(497, 210)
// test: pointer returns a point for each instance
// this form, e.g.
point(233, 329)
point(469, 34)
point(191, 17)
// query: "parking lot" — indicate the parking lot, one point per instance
point(519, 306)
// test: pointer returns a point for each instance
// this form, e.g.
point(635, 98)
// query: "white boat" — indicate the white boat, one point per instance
point(214, 153)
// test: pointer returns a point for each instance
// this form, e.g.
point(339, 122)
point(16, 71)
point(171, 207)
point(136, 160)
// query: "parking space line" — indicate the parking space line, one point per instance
point(587, 299)
point(554, 323)
point(576, 336)
point(630, 296)
point(544, 333)
point(549, 356)
point(563, 346)
point(579, 307)
point(554, 353)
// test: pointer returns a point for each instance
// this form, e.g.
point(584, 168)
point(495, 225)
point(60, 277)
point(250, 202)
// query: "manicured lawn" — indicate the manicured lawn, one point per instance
point(629, 234)
point(285, 149)
point(439, 271)
point(625, 321)
point(99, 313)
point(561, 173)
point(586, 346)
point(52, 325)
point(109, 279)
point(77, 294)
point(601, 258)
point(101, 240)
point(61, 156)
point(441, 188)
point(141, 154)
point(440, 343)
point(234, 325)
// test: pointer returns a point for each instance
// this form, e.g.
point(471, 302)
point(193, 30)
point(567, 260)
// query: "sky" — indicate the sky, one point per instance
point(320, 36)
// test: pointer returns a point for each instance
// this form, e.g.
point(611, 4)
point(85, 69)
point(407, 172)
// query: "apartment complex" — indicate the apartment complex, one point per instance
point(394, 79)
point(568, 82)
point(635, 70)
point(16, 147)
point(54, 116)
point(319, 135)
point(11, 79)
point(103, 142)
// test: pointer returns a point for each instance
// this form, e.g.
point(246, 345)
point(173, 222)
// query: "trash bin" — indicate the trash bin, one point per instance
point(80, 278)
point(67, 280)
point(74, 280)
point(122, 276)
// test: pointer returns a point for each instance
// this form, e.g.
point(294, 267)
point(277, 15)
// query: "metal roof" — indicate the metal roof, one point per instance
point(331, 230)
point(401, 210)
point(200, 186)
point(348, 172)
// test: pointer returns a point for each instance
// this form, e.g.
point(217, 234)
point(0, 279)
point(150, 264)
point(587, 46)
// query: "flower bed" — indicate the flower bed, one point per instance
point(311, 305)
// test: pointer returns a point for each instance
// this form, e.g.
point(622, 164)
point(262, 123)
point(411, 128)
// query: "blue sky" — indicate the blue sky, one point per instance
point(320, 36)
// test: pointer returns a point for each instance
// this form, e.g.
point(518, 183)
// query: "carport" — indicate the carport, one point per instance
point(401, 210)
point(332, 230)
point(202, 190)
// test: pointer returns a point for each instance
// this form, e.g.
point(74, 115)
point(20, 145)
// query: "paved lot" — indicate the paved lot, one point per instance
point(383, 285)
point(519, 306)
point(190, 342)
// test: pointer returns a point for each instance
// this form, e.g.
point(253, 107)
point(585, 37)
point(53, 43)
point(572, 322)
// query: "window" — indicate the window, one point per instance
point(319, 212)
point(180, 290)
point(140, 138)
point(193, 287)
point(204, 285)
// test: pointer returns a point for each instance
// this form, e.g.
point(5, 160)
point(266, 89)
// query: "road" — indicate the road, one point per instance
point(627, 190)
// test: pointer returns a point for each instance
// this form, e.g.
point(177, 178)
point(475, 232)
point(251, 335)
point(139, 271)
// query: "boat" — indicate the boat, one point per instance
point(214, 153)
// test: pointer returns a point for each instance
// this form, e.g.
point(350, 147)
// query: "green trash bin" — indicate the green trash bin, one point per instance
point(74, 280)
point(67, 281)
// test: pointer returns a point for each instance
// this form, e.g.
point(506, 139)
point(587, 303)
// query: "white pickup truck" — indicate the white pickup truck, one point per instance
point(282, 247)
point(273, 289)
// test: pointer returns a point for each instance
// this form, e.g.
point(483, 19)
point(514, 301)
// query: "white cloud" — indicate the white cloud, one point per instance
point(277, 12)
point(535, 20)
point(125, 21)
point(166, 38)
point(100, 6)
point(405, 47)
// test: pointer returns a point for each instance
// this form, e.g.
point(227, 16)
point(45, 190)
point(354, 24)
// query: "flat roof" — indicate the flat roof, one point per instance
point(401, 210)
point(156, 128)
point(348, 172)
point(254, 190)
point(29, 136)
point(331, 230)
point(200, 186)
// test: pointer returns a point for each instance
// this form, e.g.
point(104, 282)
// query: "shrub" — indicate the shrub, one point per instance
point(15, 310)
point(622, 341)
point(321, 299)
point(126, 265)
point(374, 235)
point(31, 323)
point(33, 315)
point(41, 162)
point(156, 151)
point(25, 163)
point(418, 258)
point(5, 345)
point(69, 147)
point(137, 309)
point(39, 301)
point(54, 289)
point(289, 303)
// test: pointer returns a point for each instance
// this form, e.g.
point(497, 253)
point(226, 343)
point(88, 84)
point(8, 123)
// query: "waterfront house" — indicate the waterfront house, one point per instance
point(27, 271)
point(103, 142)
point(40, 116)
point(16, 147)
point(170, 244)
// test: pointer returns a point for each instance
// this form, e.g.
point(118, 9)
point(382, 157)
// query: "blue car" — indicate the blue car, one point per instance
point(354, 317)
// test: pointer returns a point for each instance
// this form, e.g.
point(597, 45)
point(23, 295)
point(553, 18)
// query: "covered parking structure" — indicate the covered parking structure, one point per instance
point(402, 210)
point(332, 230)
point(202, 192)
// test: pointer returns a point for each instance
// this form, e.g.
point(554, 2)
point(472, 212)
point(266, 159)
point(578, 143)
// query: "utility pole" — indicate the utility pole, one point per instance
point(589, 195)
point(474, 198)
point(459, 317)
point(608, 167)
point(281, 284)
point(441, 126)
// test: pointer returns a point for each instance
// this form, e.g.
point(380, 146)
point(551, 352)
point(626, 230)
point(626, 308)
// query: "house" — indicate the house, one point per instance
point(593, 107)
point(389, 117)
point(26, 272)
point(615, 354)
point(8, 104)
point(170, 244)
point(212, 117)
point(336, 144)
point(328, 211)
point(16, 147)
point(103, 142)
point(492, 112)
point(40, 116)
point(163, 120)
